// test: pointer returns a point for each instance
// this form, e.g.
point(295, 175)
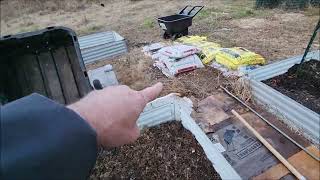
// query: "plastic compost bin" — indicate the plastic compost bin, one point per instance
point(47, 62)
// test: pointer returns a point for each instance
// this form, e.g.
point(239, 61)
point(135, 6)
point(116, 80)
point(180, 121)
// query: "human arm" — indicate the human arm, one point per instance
point(41, 139)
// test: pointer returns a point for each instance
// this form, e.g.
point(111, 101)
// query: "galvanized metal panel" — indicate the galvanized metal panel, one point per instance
point(157, 116)
point(278, 68)
point(290, 111)
point(104, 52)
point(102, 49)
point(99, 38)
point(293, 113)
point(102, 46)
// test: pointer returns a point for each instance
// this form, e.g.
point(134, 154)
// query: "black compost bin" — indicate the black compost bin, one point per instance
point(47, 62)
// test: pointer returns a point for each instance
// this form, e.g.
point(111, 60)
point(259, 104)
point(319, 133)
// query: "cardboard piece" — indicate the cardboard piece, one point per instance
point(212, 110)
point(305, 164)
point(244, 152)
point(211, 114)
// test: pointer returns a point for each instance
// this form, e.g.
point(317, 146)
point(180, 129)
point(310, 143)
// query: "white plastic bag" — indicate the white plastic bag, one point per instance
point(152, 48)
point(179, 51)
point(172, 67)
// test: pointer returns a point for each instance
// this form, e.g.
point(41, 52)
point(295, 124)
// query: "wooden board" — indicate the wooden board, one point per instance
point(306, 165)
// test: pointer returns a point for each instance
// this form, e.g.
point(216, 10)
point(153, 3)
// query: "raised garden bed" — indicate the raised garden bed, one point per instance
point(168, 109)
point(293, 113)
point(302, 85)
point(168, 151)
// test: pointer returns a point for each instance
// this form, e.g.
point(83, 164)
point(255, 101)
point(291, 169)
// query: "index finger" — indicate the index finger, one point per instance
point(151, 93)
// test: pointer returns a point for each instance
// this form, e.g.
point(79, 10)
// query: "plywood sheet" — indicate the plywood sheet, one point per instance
point(306, 165)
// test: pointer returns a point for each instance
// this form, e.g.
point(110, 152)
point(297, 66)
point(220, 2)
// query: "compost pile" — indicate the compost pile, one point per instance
point(301, 84)
point(168, 151)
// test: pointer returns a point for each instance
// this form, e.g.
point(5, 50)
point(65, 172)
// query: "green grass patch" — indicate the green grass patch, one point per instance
point(91, 29)
point(243, 9)
point(238, 12)
point(312, 11)
point(234, 9)
point(31, 27)
point(242, 12)
point(148, 23)
point(205, 13)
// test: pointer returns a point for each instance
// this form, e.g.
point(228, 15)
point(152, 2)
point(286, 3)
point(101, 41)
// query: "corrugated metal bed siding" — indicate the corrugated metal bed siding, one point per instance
point(295, 114)
point(104, 52)
point(280, 67)
point(102, 46)
point(99, 38)
point(290, 111)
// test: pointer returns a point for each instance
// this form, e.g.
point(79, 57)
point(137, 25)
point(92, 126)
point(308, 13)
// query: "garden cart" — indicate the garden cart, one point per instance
point(177, 25)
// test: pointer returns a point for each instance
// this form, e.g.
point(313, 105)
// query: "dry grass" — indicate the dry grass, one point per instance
point(132, 69)
point(17, 8)
point(240, 88)
point(275, 34)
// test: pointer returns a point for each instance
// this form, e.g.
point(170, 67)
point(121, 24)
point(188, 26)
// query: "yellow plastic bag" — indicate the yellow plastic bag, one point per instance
point(235, 57)
point(209, 53)
point(192, 39)
point(209, 49)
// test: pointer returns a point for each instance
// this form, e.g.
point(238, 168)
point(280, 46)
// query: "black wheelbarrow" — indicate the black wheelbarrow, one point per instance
point(177, 25)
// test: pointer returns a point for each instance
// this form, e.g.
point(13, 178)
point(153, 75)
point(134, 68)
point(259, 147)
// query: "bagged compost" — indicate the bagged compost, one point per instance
point(172, 67)
point(192, 39)
point(179, 51)
point(209, 53)
point(209, 49)
point(233, 58)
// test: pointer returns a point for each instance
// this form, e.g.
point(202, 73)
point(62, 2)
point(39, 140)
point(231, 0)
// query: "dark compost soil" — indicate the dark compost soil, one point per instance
point(168, 151)
point(301, 84)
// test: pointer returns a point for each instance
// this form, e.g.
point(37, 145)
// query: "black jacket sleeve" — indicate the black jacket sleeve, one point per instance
point(41, 139)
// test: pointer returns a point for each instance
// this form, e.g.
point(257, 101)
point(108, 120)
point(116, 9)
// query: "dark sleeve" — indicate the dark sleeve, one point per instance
point(41, 139)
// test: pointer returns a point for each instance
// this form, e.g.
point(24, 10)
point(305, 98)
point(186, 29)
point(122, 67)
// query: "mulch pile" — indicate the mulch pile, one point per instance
point(301, 84)
point(168, 151)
